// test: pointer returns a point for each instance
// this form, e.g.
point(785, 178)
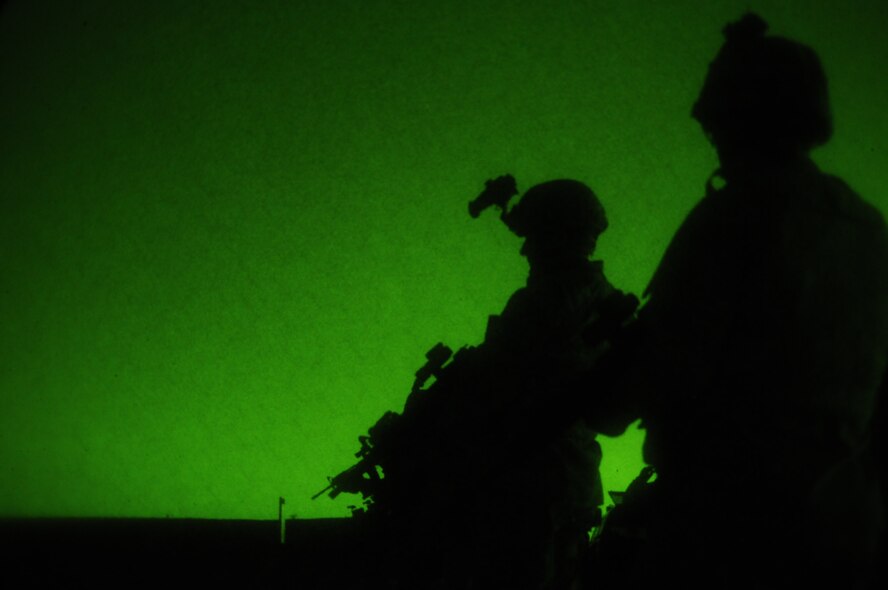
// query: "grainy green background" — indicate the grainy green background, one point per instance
point(230, 230)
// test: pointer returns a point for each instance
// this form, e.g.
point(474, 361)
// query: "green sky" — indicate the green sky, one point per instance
point(230, 230)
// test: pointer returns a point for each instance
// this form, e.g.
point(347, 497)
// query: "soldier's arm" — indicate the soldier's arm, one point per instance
point(605, 396)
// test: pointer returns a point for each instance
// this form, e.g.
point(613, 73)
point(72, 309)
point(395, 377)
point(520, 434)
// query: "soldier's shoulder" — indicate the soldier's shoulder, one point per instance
point(841, 200)
point(598, 281)
point(706, 221)
point(518, 309)
point(518, 302)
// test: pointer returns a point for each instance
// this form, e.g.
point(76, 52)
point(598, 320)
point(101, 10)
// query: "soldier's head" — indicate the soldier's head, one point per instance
point(559, 220)
point(763, 95)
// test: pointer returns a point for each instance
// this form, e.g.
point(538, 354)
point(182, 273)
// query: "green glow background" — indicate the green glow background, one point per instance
point(230, 230)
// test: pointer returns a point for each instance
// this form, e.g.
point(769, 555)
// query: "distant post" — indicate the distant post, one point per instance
point(281, 526)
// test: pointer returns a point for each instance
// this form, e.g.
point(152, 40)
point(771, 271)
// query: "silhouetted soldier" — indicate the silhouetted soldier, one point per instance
point(535, 533)
point(508, 496)
point(762, 343)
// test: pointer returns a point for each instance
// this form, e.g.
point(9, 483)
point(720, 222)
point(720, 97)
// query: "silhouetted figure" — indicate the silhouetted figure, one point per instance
point(761, 345)
point(489, 478)
point(513, 492)
point(533, 533)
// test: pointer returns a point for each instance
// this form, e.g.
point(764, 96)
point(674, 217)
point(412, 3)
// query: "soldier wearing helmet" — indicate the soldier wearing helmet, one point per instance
point(489, 477)
point(560, 222)
point(762, 343)
point(534, 536)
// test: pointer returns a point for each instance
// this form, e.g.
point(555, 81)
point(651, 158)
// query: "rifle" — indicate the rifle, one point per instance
point(363, 475)
point(386, 442)
point(378, 447)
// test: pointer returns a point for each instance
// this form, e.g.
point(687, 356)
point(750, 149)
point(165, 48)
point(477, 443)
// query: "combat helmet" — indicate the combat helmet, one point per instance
point(558, 211)
point(764, 92)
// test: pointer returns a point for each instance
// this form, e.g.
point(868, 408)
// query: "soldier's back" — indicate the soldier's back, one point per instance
point(770, 310)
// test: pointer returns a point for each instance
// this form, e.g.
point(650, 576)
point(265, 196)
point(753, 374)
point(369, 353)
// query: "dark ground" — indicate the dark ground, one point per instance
point(110, 552)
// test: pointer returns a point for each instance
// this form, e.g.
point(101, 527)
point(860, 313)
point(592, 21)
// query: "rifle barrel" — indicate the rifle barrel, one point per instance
point(319, 494)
